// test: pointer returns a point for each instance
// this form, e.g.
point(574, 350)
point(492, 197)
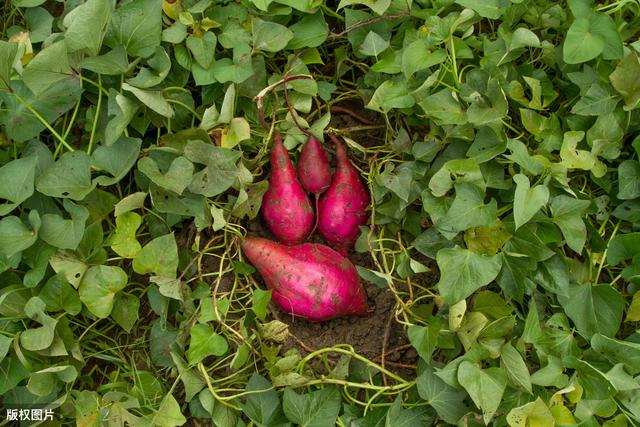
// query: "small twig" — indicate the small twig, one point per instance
point(385, 340)
point(259, 98)
point(294, 115)
point(401, 365)
point(301, 343)
point(338, 109)
point(369, 21)
point(393, 350)
point(315, 225)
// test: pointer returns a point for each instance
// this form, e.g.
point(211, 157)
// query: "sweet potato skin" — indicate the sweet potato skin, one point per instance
point(314, 170)
point(309, 280)
point(342, 208)
point(286, 207)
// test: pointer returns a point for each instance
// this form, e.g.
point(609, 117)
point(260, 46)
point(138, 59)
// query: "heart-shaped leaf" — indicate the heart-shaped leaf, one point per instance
point(527, 201)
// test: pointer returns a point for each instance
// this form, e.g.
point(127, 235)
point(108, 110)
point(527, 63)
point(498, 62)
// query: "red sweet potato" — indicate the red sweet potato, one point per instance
point(342, 208)
point(286, 207)
point(309, 280)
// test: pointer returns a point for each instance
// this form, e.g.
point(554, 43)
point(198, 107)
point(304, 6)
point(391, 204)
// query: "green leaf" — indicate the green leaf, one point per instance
point(70, 177)
point(205, 342)
point(99, 286)
point(492, 9)
point(69, 266)
point(567, 215)
point(58, 295)
point(65, 233)
point(487, 145)
point(515, 368)
point(8, 53)
point(424, 338)
point(270, 36)
point(125, 310)
point(629, 180)
point(463, 271)
point(397, 416)
point(581, 43)
point(485, 386)
point(17, 179)
point(114, 62)
point(534, 413)
point(125, 110)
point(260, 301)
point(159, 256)
point(316, 409)
point(618, 351)
point(48, 67)
point(594, 309)
point(527, 201)
point(378, 6)
point(176, 179)
point(310, 31)
point(446, 400)
point(417, 56)
point(116, 159)
point(633, 312)
point(520, 155)
point(624, 80)
point(159, 66)
point(174, 34)
point(42, 382)
point(238, 131)
point(15, 236)
point(468, 210)
point(203, 48)
point(598, 101)
point(443, 107)
point(137, 26)
point(249, 207)
point(152, 99)
point(169, 413)
point(262, 405)
point(523, 37)
point(623, 247)
point(36, 339)
point(123, 241)
point(221, 171)
point(373, 44)
point(20, 123)
point(86, 26)
point(163, 340)
point(389, 95)
point(169, 286)
point(12, 372)
point(131, 202)
point(486, 240)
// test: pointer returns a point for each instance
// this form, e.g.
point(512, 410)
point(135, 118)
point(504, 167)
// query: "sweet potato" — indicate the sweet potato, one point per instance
point(314, 170)
point(342, 208)
point(309, 280)
point(286, 207)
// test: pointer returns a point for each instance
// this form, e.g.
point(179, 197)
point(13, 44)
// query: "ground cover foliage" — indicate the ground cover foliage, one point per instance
point(505, 214)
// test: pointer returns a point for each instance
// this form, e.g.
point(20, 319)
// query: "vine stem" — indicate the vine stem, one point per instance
point(294, 115)
point(604, 254)
point(370, 21)
point(353, 354)
point(43, 121)
point(259, 98)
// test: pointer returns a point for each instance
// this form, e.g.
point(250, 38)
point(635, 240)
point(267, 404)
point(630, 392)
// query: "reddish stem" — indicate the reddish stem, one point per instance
point(316, 223)
point(294, 115)
point(344, 110)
